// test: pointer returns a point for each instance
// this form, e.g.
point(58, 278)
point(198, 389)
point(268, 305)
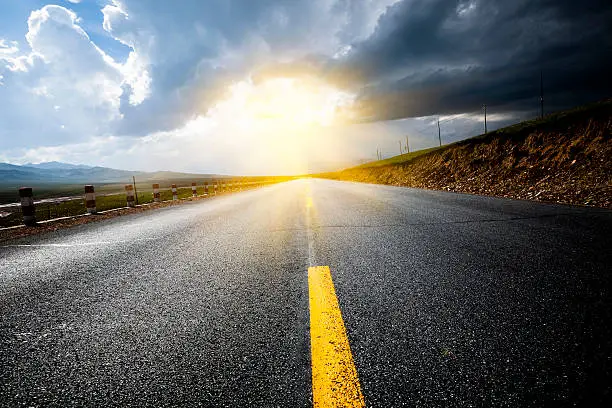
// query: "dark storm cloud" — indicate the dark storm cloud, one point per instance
point(434, 57)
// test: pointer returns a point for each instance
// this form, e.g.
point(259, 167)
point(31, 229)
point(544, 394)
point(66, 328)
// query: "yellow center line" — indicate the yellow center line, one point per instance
point(334, 376)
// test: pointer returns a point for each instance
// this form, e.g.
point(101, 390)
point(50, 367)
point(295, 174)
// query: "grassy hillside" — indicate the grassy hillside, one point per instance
point(402, 158)
point(565, 157)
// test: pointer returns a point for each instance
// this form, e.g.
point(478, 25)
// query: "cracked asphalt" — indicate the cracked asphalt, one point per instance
point(447, 299)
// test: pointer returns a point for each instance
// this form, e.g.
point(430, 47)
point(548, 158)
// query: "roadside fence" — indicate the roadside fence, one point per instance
point(29, 211)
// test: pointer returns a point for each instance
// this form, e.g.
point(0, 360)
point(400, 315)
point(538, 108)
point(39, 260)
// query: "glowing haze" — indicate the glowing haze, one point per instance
point(277, 87)
point(283, 116)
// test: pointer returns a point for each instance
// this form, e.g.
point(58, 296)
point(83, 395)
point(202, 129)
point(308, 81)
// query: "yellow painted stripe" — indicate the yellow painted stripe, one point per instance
point(334, 376)
point(308, 201)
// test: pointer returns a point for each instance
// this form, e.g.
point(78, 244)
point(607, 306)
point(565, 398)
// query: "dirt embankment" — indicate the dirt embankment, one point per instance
point(565, 158)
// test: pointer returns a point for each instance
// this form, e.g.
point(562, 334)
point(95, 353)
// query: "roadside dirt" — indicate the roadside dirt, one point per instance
point(564, 160)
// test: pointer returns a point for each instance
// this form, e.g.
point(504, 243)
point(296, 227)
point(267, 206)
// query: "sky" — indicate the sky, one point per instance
point(282, 86)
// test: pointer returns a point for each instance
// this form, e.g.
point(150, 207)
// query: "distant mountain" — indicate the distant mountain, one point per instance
point(6, 166)
point(64, 173)
point(10, 172)
point(55, 165)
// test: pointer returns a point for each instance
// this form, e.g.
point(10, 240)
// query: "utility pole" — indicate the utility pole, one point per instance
point(485, 117)
point(439, 136)
point(400, 143)
point(135, 192)
point(541, 95)
point(407, 144)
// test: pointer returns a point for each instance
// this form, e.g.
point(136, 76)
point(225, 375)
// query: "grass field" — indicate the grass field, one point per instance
point(9, 193)
point(402, 158)
point(108, 197)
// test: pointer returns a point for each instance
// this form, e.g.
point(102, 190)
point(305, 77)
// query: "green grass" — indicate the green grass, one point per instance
point(107, 198)
point(558, 121)
point(555, 122)
point(9, 192)
point(402, 158)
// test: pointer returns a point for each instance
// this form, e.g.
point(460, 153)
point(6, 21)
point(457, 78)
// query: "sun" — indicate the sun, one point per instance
point(279, 121)
point(288, 101)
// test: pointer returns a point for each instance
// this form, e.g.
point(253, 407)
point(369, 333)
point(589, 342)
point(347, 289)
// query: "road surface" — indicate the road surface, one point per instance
point(446, 300)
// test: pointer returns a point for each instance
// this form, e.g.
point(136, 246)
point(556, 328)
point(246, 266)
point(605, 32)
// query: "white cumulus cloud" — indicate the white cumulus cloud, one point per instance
point(63, 67)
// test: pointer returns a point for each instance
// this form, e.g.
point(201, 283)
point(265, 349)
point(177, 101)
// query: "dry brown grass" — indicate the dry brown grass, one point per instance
point(565, 159)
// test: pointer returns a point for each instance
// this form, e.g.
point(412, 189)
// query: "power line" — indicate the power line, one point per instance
point(425, 129)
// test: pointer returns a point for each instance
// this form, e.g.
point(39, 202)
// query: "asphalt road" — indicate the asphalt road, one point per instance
point(447, 299)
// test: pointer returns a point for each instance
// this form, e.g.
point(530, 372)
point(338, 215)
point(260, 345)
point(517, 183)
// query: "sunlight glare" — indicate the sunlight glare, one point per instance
point(281, 118)
point(287, 103)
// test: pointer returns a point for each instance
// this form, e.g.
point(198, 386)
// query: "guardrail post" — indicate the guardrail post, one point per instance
point(27, 206)
point(206, 188)
point(90, 199)
point(129, 193)
point(174, 192)
point(194, 191)
point(156, 196)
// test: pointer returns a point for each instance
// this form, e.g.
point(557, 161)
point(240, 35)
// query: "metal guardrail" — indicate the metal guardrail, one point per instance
point(51, 208)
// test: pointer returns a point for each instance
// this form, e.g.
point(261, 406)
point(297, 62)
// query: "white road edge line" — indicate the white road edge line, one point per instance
point(309, 231)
